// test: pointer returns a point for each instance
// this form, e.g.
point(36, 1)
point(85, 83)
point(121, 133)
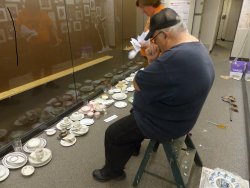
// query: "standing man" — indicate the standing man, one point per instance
point(169, 95)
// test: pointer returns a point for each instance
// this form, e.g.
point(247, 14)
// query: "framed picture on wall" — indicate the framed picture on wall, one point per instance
point(77, 26)
point(78, 15)
point(87, 24)
point(85, 1)
point(98, 11)
point(70, 2)
point(2, 36)
point(3, 15)
point(61, 13)
point(45, 4)
point(13, 9)
point(92, 4)
point(64, 27)
point(14, 1)
point(86, 10)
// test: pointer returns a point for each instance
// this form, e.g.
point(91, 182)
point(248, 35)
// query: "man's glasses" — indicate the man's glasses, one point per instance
point(153, 39)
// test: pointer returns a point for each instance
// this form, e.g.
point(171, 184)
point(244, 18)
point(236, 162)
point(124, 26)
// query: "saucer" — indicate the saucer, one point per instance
point(120, 104)
point(87, 121)
point(116, 90)
point(59, 127)
point(79, 117)
point(129, 79)
point(119, 96)
point(50, 132)
point(19, 158)
point(4, 172)
point(130, 89)
point(67, 144)
point(33, 143)
point(27, 170)
point(43, 143)
point(41, 162)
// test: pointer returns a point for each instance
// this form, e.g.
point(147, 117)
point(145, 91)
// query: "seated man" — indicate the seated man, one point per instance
point(169, 95)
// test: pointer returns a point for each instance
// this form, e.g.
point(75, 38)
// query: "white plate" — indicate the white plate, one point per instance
point(87, 121)
point(66, 144)
point(27, 170)
point(120, 104)
point(129, 79)
point(22, 158)
point(43, 143)
point(78, 118)
point(116, 90)
point(5, 173)
point(119, 96)
point(45, 160)
point(130, 89)
point(50, 132)
point(131, 99)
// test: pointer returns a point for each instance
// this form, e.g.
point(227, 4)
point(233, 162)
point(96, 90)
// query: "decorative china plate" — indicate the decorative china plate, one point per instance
point(219, 179)
point(14, 160)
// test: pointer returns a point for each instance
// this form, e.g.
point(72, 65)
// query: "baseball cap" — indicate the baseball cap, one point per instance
point(165, 18)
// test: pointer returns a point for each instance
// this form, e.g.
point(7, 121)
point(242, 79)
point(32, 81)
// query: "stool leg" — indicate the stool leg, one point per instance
point(144, 162)
point(174, 166)
point(189, 143)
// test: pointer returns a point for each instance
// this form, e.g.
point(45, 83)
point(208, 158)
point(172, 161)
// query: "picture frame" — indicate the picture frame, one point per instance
point(86, 10)
point(78, 14)
point(14, 10)
point(85, 1)
point(77, 26)
point(98, 11)
point(70, 2)
point(61, 13)
point(92, 5)
point(45, 4)
point(3, 15)
point(64, 27)
point(3, 38)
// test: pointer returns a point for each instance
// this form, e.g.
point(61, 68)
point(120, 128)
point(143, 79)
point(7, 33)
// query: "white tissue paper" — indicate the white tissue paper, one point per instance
point(136, 43)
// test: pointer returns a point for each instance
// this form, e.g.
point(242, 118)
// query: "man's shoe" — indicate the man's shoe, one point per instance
point(103, 175)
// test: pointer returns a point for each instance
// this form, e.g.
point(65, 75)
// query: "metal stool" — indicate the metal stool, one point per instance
point(181, 154)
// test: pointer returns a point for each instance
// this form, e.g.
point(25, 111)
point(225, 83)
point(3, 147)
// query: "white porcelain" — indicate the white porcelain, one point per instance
point(19, 158)
point(33, 143)
point(85, 109)
point(116, 90)
point(120, 104)
point(39, 153)
point(104, 97)
point(64, 124)
point(131, 99)
point(90, 114)
point(27, 149)
point(69, 138)
point(4, 173)
point(66, 143)
point(108, 102)
point(87, 121)
point(27, 170)
point(129, 79)
point(97, 115)
point(76, 126)
point(130, 89)
point(50, 132)
point(76, 116)
point(47, 156)
point(80, 132)
point(119, 96)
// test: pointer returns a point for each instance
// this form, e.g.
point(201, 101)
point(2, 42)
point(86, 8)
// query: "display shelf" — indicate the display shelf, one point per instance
point(30, 85)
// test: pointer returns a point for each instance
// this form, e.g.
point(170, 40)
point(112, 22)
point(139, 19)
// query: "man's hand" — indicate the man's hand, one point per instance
point(152, 52)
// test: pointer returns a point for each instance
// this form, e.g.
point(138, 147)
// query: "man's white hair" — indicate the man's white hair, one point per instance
point(176, 29)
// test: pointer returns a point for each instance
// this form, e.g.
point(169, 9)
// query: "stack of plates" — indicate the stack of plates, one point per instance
point(119, 96)
point(33, 144)
point(14, 160)
point(4, 172)
point(40, 162)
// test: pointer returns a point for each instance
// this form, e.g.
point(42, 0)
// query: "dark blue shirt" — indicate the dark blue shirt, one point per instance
point(173, 90)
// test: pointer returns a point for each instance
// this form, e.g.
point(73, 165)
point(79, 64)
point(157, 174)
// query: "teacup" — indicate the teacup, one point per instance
point(69, 138)
point(90, 114)
point(75, 115)
point(66, 121)
point(39, 153)
point(85, 109)
point(97, 115)
point(33, 143)
point(77, 126)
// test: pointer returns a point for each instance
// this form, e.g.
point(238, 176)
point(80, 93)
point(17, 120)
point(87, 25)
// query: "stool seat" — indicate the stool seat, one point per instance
point(181, 153)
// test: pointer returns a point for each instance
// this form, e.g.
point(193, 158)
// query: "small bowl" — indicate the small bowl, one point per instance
point(33, 143)
point(27, 170)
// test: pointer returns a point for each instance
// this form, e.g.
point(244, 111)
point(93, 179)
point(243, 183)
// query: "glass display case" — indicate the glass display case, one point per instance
point(57, 54)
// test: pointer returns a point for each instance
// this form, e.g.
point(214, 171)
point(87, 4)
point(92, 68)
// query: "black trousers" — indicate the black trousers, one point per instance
point(122, 138)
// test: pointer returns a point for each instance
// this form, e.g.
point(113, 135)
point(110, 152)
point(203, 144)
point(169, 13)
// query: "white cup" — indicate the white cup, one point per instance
point(39, 153)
